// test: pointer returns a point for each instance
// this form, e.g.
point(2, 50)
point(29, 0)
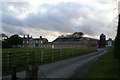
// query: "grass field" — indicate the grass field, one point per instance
point(105, 67)
point(24, 56)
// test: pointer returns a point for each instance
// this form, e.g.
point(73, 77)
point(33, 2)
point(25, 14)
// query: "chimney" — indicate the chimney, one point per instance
point(23, 36)
point(40, 37)
point(28, 36)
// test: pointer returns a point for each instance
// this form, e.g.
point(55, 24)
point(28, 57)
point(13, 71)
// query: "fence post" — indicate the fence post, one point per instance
point(61, 53)
point(32, 72)
point(42, 56)
point(33, 57)
point(13, 73)
point(52, 55)
point(9, 60)
point(28, 56)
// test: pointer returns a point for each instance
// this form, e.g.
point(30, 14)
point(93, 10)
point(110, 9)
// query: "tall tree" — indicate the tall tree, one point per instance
point(117, 41)
point(15, 40)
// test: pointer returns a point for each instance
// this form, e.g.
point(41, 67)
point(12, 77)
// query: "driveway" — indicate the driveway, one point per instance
point(64, 68)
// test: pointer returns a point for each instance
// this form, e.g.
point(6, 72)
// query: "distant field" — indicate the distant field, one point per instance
point(105, 67)
point(24, 56)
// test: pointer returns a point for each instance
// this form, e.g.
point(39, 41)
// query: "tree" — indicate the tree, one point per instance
point(5, 44)
point(74, 35)
point(78, 34)
point(14, 40)
point(117, 42)
point(62, 36)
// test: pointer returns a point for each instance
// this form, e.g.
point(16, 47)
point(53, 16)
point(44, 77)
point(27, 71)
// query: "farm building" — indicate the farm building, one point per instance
point(72, 42)
point(75, 40)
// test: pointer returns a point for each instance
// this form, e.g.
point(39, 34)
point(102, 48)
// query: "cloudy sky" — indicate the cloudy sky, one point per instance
point(52, 18)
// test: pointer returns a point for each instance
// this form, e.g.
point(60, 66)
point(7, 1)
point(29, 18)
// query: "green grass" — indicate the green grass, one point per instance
point(24, 56)
point(105, 67)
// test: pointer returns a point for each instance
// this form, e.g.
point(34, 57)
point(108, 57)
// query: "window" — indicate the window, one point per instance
point(23, 41)
point(41, 42)
point(36, 41)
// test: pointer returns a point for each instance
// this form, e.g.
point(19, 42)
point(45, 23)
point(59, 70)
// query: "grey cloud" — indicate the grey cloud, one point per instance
point(11, 29)
point(59, 17)
point(11, 20)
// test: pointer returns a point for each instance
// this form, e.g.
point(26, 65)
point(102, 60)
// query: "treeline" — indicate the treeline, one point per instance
point(13, 41)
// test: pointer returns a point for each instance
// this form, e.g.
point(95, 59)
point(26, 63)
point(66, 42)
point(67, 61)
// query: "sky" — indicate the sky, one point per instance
point(52, 18)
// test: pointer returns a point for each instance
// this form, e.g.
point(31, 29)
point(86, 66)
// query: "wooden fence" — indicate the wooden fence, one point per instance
point(22, 59)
